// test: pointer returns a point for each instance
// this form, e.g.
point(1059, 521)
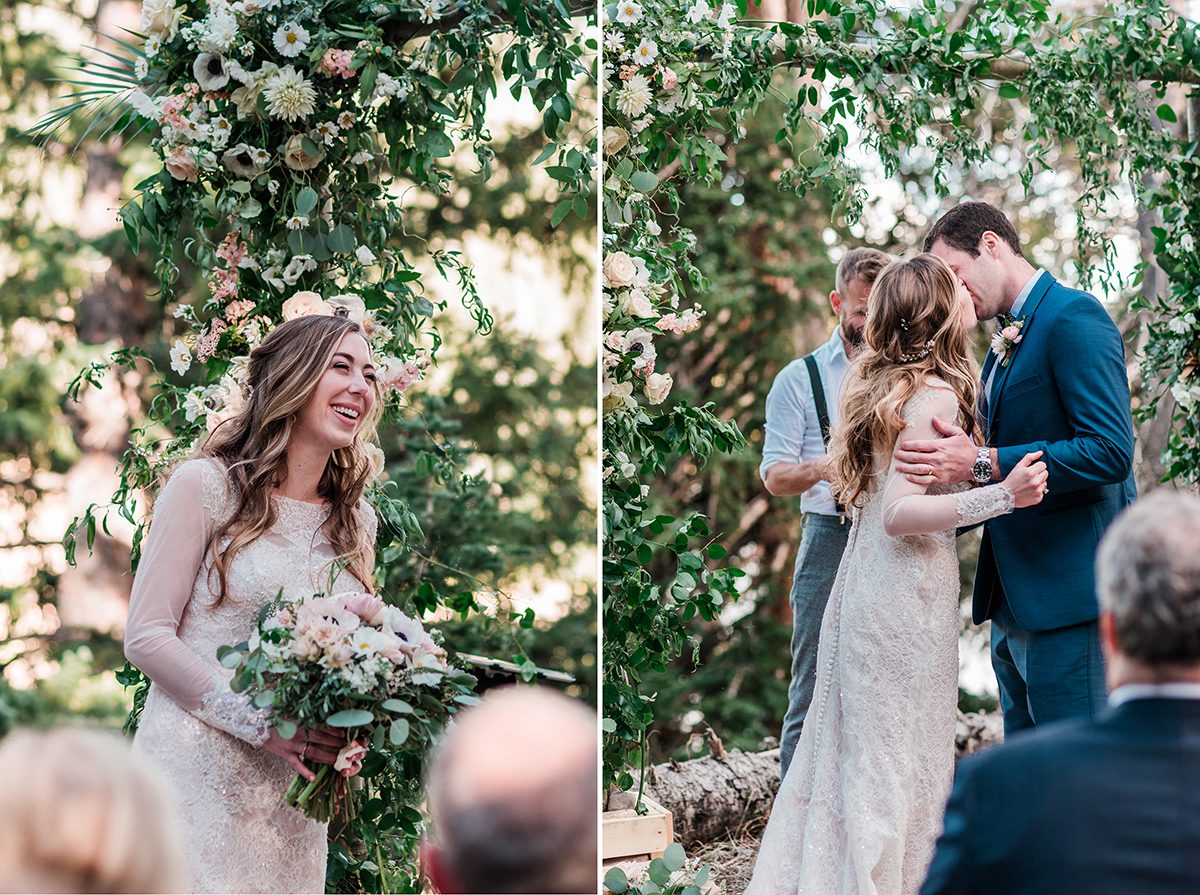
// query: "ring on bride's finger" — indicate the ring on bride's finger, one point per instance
point(304, 752)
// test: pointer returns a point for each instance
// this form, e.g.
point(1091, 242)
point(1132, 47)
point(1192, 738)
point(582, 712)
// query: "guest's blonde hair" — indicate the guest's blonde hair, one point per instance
point(914, 332)
point(282, 375)
point(80, 812)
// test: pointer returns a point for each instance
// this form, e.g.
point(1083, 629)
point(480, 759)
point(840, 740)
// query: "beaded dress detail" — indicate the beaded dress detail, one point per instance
point(204, 738)
point(861, 806)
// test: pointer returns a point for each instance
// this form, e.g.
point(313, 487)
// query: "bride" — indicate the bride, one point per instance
point(861, 805)
point(273, 500)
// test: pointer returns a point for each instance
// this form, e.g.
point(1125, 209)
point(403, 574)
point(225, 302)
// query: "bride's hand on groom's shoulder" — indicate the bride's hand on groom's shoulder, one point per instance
point(946, 460)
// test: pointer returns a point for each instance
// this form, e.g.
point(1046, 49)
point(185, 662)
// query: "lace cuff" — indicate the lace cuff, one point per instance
point(980, 504)
point(231, 712)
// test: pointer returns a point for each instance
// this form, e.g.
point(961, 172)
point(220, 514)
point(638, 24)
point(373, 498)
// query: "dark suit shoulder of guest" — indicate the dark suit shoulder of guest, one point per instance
point(1065, 393)
point(1103, 807)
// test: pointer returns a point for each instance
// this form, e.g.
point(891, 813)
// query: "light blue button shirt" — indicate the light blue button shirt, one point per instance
point(1015, 312)
point(793, 433)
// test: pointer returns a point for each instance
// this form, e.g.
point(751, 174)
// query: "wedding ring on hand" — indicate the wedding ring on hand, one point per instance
point(304, 751)
point(928, 469)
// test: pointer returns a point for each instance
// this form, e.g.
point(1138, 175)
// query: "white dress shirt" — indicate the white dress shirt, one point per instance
point(1169, 690)
point(793, 433)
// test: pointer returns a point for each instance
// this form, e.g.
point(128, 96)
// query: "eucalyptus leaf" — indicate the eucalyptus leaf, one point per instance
point(350, 718)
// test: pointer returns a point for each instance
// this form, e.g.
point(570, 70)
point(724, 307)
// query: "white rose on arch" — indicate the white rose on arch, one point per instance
point(160, 18)
point(657, 387)
point(619, 270)
point(614, 140)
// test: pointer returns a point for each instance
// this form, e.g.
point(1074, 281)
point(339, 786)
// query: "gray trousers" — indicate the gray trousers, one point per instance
point(821, 546)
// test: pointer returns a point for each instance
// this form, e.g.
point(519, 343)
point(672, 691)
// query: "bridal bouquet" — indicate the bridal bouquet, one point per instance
point(348, 661)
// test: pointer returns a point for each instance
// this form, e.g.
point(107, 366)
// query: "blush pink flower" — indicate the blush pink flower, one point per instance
point(336, 63)
point(669, 78)
point(182, 166)
point(1011, 333)
point(368, 607)
point(236, 310)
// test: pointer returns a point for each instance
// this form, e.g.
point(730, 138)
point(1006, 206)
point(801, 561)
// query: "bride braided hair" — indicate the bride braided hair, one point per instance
point(914, 332)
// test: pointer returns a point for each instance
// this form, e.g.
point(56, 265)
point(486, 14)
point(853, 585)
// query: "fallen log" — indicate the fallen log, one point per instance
point(715, 798)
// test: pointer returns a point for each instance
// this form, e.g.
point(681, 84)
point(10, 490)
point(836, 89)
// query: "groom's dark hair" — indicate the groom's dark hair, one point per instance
point(964, 225)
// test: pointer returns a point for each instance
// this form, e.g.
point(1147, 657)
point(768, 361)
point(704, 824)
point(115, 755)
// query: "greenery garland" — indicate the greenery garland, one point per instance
point(678, 80)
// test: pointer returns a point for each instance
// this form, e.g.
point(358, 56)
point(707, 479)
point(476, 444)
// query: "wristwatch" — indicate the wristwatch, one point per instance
point(981, 471)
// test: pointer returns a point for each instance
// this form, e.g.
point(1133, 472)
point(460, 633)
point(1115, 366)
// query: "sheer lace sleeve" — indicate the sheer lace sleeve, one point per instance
point(171, 558)
point(908, 509)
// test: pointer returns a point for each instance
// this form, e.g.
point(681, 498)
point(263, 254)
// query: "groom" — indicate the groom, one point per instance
point(1054, 381)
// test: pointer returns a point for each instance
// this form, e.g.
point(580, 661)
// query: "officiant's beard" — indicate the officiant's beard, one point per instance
point(853, 334)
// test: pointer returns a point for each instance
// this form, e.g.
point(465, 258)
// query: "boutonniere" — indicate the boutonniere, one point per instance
point(1007, 338)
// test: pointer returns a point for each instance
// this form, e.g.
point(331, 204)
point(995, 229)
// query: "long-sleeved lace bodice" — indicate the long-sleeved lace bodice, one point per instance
point(862, 802)
point(205, 738)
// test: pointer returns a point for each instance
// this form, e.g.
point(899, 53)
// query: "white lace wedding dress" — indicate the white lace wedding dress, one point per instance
point(861, 806)
point(204, 738)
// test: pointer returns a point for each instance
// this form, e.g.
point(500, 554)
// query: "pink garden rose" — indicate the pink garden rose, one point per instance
point(1011, 333)
point(182, 166)
point(669, 79)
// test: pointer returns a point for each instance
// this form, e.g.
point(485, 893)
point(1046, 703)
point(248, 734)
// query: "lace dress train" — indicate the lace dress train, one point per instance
point(204, 738)
point(861, 806)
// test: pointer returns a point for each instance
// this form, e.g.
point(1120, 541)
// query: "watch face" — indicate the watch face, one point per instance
point(982, 470)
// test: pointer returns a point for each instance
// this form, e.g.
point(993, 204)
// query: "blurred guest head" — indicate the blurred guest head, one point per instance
point(1148, 575)
point(513, 797)
point(79, 812)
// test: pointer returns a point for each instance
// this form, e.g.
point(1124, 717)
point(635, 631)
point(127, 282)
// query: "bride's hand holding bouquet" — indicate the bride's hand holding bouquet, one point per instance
point(345, 677)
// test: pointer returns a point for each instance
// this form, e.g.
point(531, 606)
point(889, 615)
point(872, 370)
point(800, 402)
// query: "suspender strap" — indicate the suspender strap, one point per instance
point(818, 390)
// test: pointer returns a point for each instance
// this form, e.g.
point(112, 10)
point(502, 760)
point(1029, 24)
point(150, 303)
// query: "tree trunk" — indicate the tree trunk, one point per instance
point(715, 798)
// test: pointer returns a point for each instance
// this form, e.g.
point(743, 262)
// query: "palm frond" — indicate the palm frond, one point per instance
point(100, 100)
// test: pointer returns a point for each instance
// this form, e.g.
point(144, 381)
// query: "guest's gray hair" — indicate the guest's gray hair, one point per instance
point(1148, 576)
point(862, 262)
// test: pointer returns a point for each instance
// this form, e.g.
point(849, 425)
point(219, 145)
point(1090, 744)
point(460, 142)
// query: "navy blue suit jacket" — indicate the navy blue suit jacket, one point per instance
point(1109, 806)
point(1065, 392)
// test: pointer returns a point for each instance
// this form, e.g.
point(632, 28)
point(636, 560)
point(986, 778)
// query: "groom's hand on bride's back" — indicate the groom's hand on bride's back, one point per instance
point(946, 460)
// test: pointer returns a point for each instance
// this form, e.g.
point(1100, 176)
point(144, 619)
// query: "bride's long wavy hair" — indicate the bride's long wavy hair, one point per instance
point(914, 331)
point(282, 375)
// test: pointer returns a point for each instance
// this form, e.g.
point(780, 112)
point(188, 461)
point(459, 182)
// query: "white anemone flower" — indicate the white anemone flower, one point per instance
point(245, 160)
point(210, 71)
point(291, 39)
